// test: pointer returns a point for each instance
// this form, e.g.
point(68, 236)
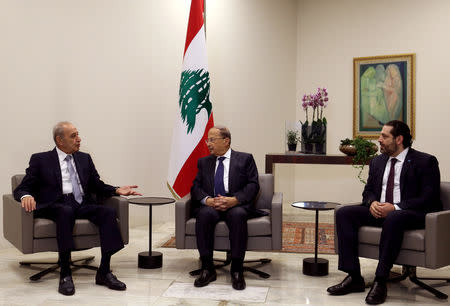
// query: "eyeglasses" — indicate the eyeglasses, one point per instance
point(212, 140)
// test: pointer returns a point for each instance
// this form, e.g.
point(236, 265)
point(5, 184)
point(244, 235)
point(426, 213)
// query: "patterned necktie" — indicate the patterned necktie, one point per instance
point(219, 187)
point(390, 183)
point(73, 178)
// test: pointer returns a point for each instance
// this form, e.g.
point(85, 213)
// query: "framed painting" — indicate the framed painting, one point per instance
point(383, 90)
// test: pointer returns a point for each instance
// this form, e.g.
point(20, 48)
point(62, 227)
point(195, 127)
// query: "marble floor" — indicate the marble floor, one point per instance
point(172, 285)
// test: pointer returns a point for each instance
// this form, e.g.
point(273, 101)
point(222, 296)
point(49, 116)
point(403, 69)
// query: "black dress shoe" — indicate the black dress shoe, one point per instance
point(109, 280)
point(66, 286)
point(206, 276)
point(377, 294)
point(348, 285)
point(237, 280)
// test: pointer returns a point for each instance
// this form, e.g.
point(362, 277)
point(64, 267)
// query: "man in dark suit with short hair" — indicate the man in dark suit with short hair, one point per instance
point(403, 186)
point(225, 188)
point(58, 185)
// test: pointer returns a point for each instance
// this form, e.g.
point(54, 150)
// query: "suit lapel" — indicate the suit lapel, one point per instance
point(381, 172)
point(211, 172)
point(231, 171)
point(406, 166)
point(79, 168)
point(56, 167)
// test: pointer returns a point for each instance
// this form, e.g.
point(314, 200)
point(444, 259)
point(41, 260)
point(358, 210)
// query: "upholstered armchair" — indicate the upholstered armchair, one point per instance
point(32, 235)
point(428, 248)
point(264, 233)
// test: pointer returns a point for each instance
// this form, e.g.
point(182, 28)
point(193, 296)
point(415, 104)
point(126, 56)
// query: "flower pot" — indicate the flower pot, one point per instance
point(292, 146)
point(314, 139)
point(307, 148)
point(349, 150)
point(320, 148)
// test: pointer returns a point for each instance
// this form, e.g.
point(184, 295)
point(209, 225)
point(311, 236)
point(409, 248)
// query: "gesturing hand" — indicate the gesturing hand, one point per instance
point(127, 190)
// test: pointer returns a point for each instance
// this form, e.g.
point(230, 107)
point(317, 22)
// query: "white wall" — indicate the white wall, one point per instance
point(112, 67)
point(252, 55)
point(330, 34)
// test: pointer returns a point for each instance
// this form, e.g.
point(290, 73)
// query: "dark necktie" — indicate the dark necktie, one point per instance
point(390, 183)
point(73, 178)
point(219, 187)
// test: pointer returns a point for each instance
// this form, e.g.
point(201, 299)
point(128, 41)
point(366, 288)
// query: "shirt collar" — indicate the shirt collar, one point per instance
point(61, 155)
point(227, 154)
point(401, 157)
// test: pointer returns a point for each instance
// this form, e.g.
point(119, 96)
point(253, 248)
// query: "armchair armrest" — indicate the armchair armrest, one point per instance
point(120, 204)
point(182, 214)
point(336, 250)
point(276, 215)
point(437, 239)
point(18, 225)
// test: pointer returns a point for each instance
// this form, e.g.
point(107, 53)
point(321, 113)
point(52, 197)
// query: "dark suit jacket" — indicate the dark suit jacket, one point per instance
point(419, 182)
point(43, 179)
point(242, 180)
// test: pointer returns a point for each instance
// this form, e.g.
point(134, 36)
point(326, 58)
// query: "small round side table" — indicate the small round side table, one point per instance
point(150, 260)
point(314, 266)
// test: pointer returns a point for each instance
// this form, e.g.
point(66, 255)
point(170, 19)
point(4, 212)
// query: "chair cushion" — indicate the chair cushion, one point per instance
point(260, 226)
point(45, 228)
point(412, 240)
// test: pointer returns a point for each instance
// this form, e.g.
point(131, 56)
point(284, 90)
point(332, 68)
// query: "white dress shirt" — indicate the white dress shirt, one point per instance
point(398, 170)
point(65, 175)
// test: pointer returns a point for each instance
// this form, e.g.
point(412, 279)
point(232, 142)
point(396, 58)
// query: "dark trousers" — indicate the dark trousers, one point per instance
point(236, 220)
point(348, 221)
point(65, 213)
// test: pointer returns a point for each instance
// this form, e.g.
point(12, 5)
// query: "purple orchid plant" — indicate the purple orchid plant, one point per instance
point(317, 102)
point(316, 131)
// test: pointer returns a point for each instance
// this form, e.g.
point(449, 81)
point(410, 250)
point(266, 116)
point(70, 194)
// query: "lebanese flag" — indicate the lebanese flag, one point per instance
point(194, 117)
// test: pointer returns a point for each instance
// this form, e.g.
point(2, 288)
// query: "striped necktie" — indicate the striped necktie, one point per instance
point(73, 178)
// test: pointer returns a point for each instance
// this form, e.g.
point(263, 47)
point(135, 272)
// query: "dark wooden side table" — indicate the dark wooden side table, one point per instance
point(315, 266)
point(150, 260)
point(299, 158)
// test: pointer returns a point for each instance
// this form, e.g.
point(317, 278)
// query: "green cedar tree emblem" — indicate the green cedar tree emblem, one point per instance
point(194, 95)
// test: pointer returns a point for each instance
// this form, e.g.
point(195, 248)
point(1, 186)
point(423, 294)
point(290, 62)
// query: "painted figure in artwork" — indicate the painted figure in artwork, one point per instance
point(393, 96)
point(381, 96)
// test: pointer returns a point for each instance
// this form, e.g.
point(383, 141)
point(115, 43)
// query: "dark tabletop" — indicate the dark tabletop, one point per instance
point(151, 201)
point(315, 205)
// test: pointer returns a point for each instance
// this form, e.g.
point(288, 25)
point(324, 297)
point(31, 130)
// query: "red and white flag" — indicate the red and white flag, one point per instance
point(194, 117)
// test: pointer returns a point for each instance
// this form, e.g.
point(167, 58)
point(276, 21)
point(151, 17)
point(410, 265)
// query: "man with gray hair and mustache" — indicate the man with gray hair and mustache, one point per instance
point(58, 185)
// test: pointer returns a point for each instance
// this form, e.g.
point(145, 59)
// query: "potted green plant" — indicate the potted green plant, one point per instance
point(347, 147)
point(292, 140)
point(362, 151)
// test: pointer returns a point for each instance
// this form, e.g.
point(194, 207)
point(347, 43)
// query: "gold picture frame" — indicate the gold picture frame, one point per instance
point(383, 90)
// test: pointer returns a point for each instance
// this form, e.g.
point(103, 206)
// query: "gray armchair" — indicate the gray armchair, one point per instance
point(33, 235)
point(428, 248)
point(264, 233)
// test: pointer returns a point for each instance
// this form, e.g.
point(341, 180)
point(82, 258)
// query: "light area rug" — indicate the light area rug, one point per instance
point(217, 292)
